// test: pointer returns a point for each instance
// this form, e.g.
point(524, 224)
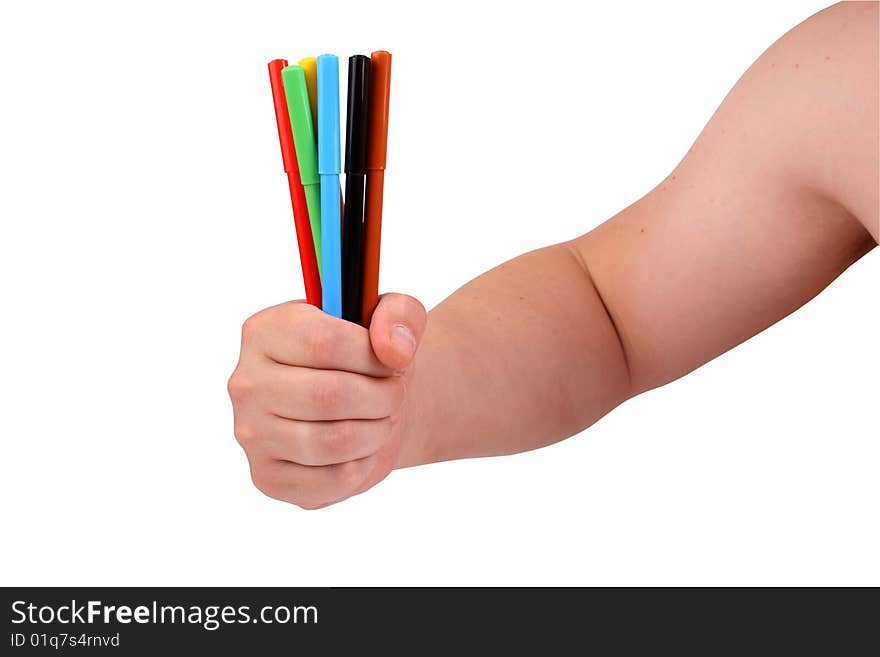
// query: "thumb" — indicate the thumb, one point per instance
point(396, 329)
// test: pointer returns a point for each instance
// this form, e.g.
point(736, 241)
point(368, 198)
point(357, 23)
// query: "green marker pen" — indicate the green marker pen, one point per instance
point(297, 94)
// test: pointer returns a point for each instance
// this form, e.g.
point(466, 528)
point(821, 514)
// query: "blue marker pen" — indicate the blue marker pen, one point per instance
point(329, 168)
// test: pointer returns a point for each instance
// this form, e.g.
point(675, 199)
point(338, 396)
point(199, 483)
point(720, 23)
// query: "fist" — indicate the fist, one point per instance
point(318, 401)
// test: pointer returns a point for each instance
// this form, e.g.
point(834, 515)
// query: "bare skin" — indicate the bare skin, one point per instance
point(778, 196)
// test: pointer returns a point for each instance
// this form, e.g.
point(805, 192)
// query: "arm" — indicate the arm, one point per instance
point(777, 197)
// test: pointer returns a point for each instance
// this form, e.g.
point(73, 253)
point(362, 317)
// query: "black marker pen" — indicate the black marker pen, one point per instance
point(353, 226)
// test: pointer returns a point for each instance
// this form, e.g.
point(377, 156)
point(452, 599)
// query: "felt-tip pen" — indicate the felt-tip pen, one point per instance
point(377, 146)
point(329, 168)
point(355, 181)
point(307, 255)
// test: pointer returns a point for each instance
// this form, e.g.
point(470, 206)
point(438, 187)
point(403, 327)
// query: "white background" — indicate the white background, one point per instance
point(145, 214)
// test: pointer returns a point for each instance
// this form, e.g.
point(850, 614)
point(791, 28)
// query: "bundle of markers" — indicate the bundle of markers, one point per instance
point(339, 239)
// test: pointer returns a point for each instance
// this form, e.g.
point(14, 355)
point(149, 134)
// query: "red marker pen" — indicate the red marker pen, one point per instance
point(311, 277)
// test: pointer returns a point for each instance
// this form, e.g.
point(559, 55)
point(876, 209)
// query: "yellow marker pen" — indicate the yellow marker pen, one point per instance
point(310, 68)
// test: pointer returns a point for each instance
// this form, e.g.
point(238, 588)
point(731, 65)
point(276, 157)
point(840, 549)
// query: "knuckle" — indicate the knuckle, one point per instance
point(267, 481)
point(240, 387)
point(299, 311)
point(349, 475)
point(250, 328)
point(245, 435)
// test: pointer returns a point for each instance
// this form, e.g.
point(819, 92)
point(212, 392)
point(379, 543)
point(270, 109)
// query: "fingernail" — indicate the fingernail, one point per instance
point(403, 339)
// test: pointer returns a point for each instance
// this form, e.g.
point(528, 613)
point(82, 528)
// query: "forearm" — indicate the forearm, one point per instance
point(774, 200)
point(521, 357)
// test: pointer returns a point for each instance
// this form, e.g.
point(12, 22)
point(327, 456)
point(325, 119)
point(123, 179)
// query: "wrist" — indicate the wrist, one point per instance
point(427, 398)
point(411, 423)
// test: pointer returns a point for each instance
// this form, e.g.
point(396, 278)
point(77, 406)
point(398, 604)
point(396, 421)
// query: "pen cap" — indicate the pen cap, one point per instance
point(380, 91)
point(300, 120)
point(310, 66)
point(285, 136)
point(356, 118)
point(328, 115)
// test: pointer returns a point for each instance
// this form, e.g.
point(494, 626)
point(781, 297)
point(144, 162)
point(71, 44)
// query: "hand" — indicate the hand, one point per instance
point(318, 400)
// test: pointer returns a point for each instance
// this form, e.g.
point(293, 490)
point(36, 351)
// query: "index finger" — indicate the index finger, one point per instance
point(297, 334)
